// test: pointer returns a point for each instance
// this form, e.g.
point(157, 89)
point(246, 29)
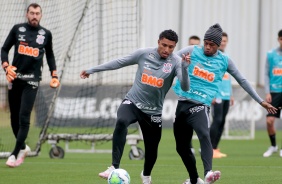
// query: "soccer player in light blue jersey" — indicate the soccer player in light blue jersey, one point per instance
point(157, 68)
point(220, 105)
point(208, 65)
point(273, 90)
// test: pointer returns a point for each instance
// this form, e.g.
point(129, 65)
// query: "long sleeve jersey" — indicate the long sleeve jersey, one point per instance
point(153, 79)
point(273, 71)
point(30, 44)
point(206, 73)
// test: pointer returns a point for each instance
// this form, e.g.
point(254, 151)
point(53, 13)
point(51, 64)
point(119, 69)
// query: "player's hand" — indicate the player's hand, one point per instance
point(54, 83)
point(186, 58)
point(269, 107)
point(84, 75)
point(10, 71)
point(268, 98)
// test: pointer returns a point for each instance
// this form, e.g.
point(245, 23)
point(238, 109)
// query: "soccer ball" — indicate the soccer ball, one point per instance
point(119, 176)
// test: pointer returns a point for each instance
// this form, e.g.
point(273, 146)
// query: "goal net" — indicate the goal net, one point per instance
point(85, 33)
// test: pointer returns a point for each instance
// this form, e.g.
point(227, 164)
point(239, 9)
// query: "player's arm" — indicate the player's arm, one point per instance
point(54, 83)
point(182, 72)
point(114, 64)
point(247, 87)
point(266, 82)
point(9, 69)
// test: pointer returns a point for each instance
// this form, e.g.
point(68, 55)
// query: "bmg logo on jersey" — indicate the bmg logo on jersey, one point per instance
point(152, 81)
point(156, 119)
point(204, 74)
point(29, 51)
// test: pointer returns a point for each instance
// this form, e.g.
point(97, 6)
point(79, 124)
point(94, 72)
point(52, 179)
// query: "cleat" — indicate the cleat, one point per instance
point(22, 154)
point(212, 177)
point(270, 151)
point(146, 179)
point(107, 172)
point(281, 153)
point(11, 162)
point(199, 181)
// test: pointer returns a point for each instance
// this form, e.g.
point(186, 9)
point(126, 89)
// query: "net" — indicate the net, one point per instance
point(85, 33)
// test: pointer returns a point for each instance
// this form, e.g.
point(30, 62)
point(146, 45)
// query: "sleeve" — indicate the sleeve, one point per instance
point(9, 42)
point(50, 54)
point(266, 77)
point(130, 59)
point(185, 50)
point(182, 74)
point(242, 81)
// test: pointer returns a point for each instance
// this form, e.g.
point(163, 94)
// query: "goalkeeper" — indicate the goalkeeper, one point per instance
point(157, 68)
point(24, 74)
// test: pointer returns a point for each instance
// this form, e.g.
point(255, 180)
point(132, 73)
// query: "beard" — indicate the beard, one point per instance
point(33, 22)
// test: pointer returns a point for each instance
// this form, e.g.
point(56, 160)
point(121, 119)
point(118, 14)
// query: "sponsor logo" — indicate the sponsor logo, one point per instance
point(33, 84)
point(141, 106)
point(40, 39)
point(22, 29)
point(208, 63)
point(29, 51)
point(197, 93)
point(25, 76)
point(277, 71)
point(41, 32)
point(151, 55)
point(196, 109)
point(204, 74)
point(152, 81)
point(167, 67)
point(126, 102)
point(21, 37)
point(156, 119)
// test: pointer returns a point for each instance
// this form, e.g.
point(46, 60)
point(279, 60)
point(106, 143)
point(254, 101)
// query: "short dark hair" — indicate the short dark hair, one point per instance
point(225, 34)
point(194, 37)
point(169, 34)
point(280, 33)
point(34, 5)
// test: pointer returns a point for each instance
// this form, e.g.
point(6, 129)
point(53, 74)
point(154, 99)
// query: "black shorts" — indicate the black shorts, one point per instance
point(276, 102)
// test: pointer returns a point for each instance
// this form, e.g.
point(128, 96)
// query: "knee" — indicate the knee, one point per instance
point(270, 121)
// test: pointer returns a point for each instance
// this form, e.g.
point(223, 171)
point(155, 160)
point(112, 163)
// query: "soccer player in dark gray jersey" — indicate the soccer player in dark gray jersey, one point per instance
point(157, 68)
point(206, 70)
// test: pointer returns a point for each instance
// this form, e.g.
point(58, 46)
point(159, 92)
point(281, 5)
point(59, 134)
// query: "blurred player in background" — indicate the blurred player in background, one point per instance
point(194, 40)
point(208, 65)
point(220, 105)
point(273, 90)
point(31, 41)
point(157, 68)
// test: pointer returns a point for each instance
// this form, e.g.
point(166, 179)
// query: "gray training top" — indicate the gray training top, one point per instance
point(153, 79)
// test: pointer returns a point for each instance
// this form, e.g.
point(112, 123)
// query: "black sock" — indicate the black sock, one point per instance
point(272, 140)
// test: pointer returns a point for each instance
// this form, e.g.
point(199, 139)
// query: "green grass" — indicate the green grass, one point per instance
point(243, 165)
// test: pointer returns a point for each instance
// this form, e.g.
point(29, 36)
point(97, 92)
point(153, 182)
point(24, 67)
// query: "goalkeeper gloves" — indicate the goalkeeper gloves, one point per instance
point(54, 83)
point(10, 71)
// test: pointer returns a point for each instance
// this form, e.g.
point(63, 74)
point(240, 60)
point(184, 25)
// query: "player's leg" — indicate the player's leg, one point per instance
point(200, 122)
point(151, 126)
point(27, 101)
point(183, 135)
point(126, 115)
point(216, 124)
point(270, 125)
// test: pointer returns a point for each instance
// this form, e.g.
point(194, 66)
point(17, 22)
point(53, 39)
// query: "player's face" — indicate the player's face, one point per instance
point(210, 48)
point(166, 47)
point(280, 41)
point(33, 16)
point(223, 44)
point(194, 42)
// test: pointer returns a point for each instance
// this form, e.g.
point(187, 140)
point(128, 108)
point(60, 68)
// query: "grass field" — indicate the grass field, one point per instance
point(243, 165)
